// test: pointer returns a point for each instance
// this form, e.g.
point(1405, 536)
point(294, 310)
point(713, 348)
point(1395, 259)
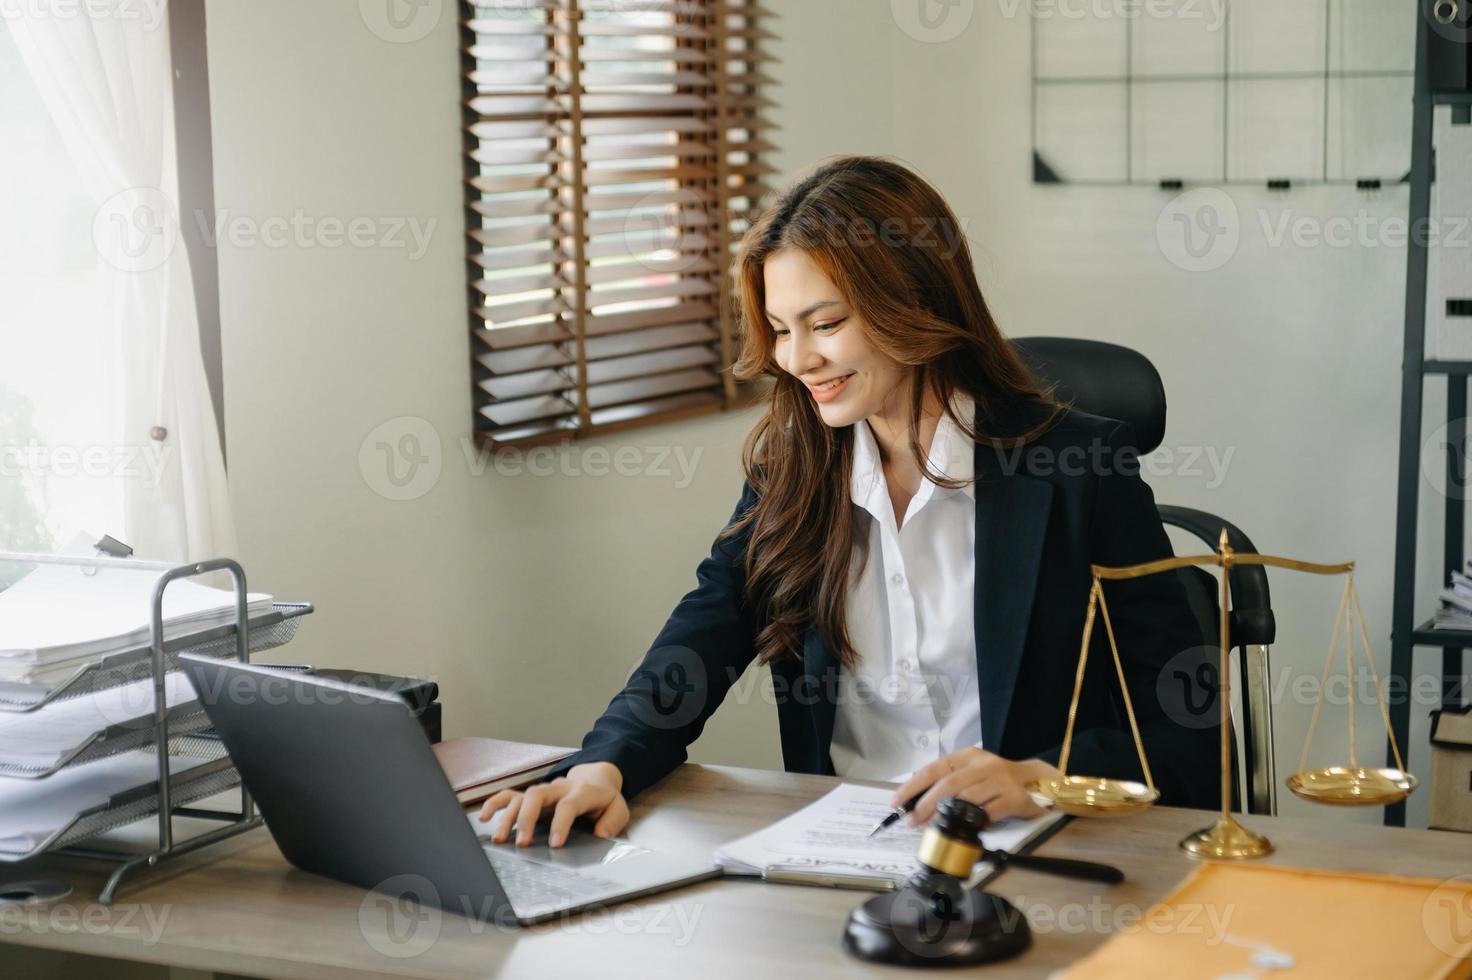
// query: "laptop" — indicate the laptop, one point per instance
point(350, 789)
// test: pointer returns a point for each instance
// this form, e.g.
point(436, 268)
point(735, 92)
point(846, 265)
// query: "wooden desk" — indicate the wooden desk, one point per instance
point(240, 908)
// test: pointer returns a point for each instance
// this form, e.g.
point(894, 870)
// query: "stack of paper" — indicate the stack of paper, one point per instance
point(59, 617)
point(831, 836)
point(1456, 603)
point(40, 739)
point(32, 811)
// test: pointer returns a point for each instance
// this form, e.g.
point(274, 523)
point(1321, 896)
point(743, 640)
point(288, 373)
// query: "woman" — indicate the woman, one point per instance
point(910, 554)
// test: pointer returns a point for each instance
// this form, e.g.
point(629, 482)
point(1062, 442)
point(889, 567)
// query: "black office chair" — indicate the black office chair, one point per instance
point(1119, 383)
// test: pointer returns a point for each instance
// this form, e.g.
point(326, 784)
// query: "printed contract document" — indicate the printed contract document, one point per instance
point(831, 836)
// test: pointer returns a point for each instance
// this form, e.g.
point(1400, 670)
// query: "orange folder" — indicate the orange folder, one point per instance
point(1329, 924)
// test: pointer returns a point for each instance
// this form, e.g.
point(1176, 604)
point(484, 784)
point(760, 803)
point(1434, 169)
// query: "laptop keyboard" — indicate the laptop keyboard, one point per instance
point(530, 884)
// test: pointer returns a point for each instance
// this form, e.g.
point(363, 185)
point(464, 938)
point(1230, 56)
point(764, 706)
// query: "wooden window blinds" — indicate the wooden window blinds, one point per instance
point(613, 160)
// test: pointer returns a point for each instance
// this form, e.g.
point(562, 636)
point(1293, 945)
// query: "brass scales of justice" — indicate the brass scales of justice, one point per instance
point(1351, 785)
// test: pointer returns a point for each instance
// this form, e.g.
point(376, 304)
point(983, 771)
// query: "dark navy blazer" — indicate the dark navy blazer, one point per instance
point(1044, 513)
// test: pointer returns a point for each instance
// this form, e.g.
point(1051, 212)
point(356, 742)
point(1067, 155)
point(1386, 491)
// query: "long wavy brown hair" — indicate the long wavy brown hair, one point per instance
point(891, 245)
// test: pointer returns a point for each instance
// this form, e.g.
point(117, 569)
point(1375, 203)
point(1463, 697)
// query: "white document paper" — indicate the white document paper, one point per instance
point(831, 836)
point(41, 738)
point(63, 613)
point(33, 810)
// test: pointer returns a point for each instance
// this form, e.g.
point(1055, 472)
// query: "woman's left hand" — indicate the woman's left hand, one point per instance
point(978, 776)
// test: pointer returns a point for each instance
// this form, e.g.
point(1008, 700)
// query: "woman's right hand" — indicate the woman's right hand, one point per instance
point(591, 789)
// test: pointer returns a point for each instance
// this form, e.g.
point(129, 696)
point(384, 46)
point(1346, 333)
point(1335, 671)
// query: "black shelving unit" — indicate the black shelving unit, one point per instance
point(1406, 634)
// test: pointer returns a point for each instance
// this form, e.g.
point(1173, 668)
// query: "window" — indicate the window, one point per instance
point(59, 463)
point(613, 160)
point(90, 282)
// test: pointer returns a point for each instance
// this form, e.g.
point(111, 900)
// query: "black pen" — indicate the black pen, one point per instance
point(897, 813)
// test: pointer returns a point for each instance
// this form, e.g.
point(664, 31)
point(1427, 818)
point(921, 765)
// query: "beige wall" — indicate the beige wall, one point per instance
point(530, 597)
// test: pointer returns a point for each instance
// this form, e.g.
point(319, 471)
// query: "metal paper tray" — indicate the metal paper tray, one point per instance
point(267, 631)
point(190, 786)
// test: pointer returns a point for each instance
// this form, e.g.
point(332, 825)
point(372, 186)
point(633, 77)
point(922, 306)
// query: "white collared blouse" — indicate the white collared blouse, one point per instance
point(913, 696)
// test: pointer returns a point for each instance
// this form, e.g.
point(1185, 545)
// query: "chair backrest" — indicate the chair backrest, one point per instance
point(1102, 379)
point(1119, 383)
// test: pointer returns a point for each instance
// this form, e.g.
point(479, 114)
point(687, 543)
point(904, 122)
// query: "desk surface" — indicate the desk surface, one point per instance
point(240, 908)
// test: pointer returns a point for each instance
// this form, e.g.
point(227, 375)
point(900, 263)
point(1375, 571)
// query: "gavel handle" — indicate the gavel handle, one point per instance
point(1068, 867)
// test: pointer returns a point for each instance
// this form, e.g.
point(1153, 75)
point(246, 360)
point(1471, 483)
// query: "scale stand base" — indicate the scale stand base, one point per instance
point(1226, 839)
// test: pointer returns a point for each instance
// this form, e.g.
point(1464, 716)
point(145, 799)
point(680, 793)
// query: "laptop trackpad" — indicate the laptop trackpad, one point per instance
point(581, 851)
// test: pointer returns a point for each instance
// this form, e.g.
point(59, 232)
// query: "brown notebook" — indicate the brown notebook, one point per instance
point(478, 767)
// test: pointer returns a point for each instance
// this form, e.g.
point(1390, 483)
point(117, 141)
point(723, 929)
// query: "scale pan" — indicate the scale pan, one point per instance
point(1092, 796)
point(1352, 786)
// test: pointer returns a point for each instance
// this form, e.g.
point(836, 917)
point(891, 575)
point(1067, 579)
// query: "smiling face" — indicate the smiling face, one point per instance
point(821, 340)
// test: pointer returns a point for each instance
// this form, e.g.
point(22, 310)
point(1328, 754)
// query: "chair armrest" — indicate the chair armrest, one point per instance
point(1252, 619)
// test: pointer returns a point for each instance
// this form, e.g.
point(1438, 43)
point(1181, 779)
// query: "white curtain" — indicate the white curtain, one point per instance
point(103, 72)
